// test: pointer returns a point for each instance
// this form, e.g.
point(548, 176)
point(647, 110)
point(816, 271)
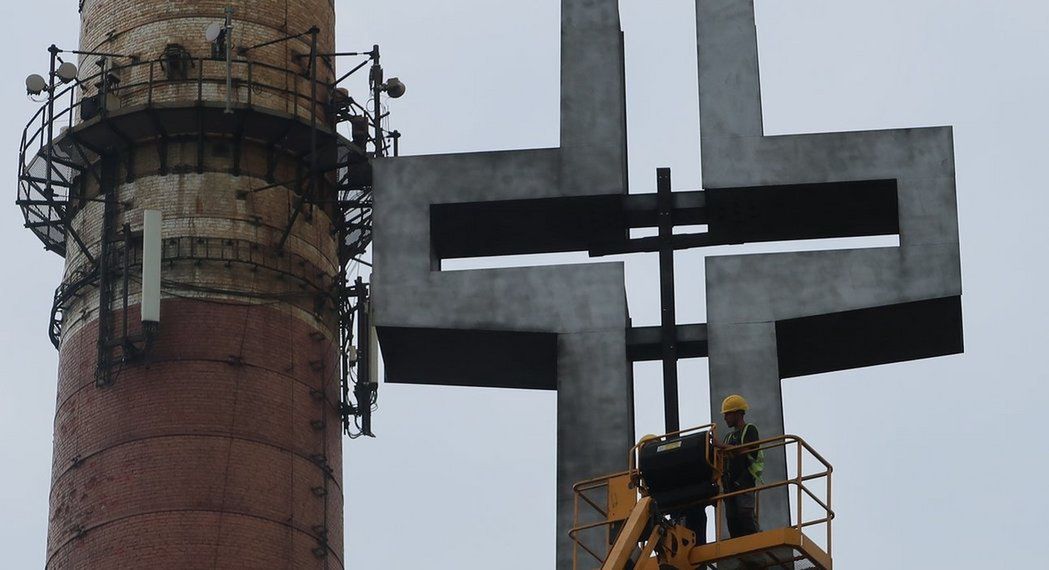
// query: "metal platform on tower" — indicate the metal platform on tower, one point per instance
point(67, 138)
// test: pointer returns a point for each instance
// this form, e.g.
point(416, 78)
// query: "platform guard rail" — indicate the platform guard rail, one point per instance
point(611, 513)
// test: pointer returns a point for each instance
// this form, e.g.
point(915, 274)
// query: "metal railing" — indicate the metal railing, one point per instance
point(48, 167)
point(798, 483)
point(633, 475)
point(801, 483)
point(581, 489)
point(147, 82)
point(47, 170)
point(245, 253)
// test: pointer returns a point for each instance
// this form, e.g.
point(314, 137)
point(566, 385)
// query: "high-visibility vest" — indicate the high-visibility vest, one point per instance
point(756, 463)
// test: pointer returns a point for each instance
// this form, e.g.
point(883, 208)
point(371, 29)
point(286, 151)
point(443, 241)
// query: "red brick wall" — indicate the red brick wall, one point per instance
point(222, 445)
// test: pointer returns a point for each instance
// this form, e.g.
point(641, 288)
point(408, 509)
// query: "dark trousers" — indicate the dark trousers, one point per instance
point(741, 515)
point(696, 521)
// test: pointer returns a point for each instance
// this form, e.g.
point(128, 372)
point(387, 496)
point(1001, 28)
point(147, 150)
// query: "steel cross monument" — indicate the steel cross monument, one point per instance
point(770, 316)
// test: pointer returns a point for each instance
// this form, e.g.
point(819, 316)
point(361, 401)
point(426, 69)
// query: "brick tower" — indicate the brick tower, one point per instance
point(212, 440)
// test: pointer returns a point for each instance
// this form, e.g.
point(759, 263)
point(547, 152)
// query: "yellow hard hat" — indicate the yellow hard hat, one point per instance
point(646, 438)
point(734, 403)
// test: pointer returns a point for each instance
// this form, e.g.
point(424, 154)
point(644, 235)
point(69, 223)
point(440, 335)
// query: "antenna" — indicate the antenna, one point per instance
point(35, 84)
point(227, 34)
point(67, 71)
point(212, 32)
point(152, 221)
point(395, 88)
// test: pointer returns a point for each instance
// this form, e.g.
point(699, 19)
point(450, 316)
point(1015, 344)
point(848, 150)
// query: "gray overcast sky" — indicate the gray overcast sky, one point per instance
point(936, 461)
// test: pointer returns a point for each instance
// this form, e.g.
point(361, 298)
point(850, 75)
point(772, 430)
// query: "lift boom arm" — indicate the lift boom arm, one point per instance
point(619, 557)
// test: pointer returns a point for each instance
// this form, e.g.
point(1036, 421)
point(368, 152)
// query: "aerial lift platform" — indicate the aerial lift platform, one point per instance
point(632, 519)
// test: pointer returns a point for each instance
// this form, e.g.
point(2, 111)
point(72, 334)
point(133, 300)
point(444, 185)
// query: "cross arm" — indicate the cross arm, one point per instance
point(600, 224)
point(646, 343)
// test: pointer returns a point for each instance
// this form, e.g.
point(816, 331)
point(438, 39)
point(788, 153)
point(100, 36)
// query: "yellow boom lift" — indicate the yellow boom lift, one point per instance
point(632, 520)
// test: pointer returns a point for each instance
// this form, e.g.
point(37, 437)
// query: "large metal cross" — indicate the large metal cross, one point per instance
point(770, 316)
point(600, 224)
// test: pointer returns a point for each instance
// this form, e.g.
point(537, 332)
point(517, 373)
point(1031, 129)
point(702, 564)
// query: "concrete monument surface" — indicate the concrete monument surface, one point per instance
point(753, 300)
point(580, 310)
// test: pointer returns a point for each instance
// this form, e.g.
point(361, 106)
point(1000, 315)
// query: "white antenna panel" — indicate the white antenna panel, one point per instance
point(213, 31)
point(151, 253)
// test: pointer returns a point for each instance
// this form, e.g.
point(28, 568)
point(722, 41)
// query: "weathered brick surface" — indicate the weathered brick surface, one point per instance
point(190, 540)
point(222, 447)
point(143, 29)
point(221, 417)
point(119, 22)
point(251, 371)
point(215, 205)
point(180, 473)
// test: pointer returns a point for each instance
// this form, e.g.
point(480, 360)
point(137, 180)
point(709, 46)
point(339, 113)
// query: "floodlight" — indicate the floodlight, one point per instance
point(67, 72)
point(213, 31)
point(395, 88)
point(35, 84)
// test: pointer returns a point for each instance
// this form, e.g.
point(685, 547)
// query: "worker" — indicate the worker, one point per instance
point(742, 470)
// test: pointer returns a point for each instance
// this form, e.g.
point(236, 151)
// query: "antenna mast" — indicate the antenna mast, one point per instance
point(228, 30)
